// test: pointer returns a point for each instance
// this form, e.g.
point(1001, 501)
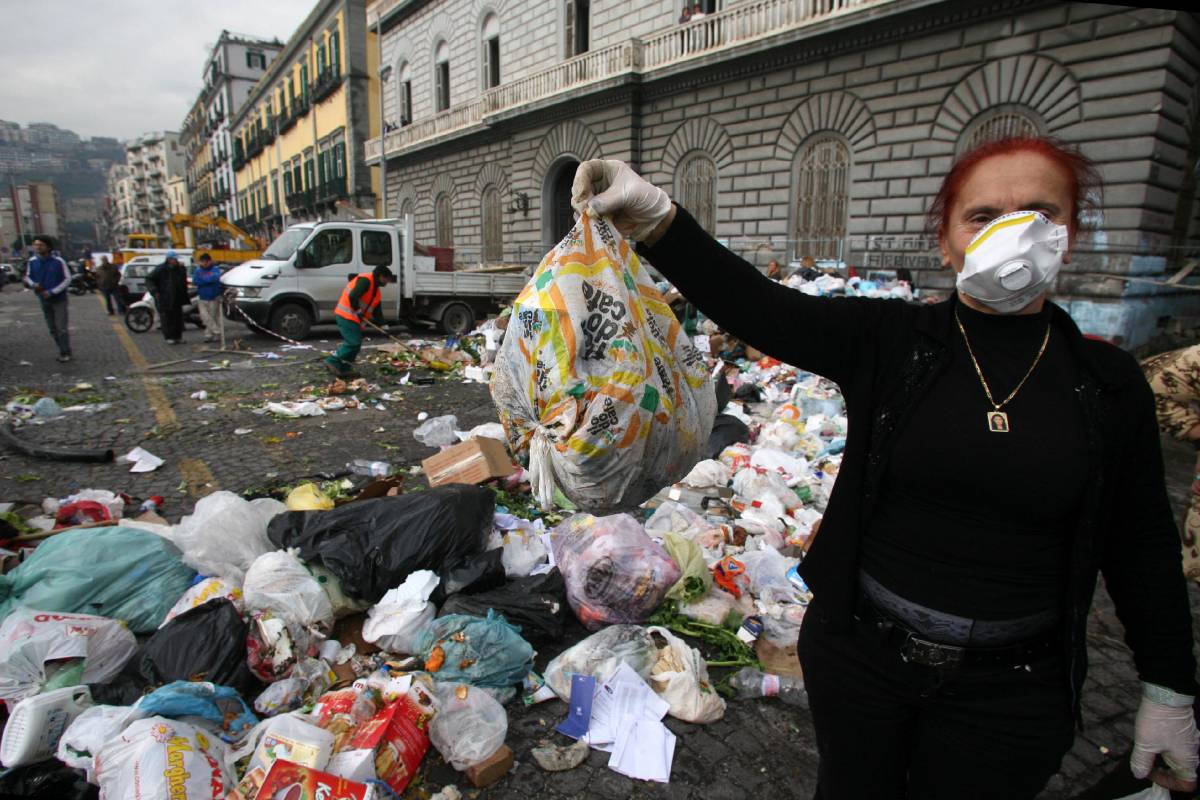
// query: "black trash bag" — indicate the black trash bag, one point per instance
point(47, 780)
point(724, 391)
point(373, 545)
point(537, 605)
point(748, 393)
point(205, 643)
point(470, 575)
point(726, 430)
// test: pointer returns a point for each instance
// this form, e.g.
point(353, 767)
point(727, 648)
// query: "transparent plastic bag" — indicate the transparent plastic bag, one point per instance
point(696, 580)
point(437, 431)
point(600, 655)
point(219, 705)
point(280, 583)
point(469, 725)
point(767, 570)
point(596, 383)
point(224, 534)
point(614, 572)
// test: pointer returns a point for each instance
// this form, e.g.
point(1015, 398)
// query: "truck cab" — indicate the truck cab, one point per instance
point(299, 278)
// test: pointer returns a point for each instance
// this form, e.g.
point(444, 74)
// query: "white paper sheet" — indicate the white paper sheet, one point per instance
point(142, 460)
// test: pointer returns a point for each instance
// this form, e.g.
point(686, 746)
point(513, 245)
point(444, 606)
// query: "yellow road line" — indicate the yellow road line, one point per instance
point(196, 474)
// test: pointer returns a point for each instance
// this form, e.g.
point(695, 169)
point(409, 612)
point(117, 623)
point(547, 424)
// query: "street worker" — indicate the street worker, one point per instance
point(168, 283)
point(206, 277)
point(108, 278)
point(996, 460)
point(359, 303)
point(48, 276)
point(1175, 379)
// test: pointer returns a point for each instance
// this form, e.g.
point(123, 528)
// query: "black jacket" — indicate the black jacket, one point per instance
point(168, 284)
point(885, 354)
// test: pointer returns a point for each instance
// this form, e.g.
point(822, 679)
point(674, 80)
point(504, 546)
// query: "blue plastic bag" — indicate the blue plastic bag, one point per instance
point(218, 704)
point(119, 573)
point(482, 652)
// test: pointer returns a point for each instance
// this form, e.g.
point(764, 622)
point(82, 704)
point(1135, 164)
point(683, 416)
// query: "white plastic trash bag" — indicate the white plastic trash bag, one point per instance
point(29, 639)
point(596, 383)
point(280, 583)
point(600, 654)
point(400, 615)
point(680, 677)
point(224, 534)
point(202, 592)
point(469, 725)
point(162, 759)
point(87, 734)
point(437, 431)
point(709, 472)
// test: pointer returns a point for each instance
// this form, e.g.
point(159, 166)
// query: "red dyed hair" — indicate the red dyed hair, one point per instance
point(1085, 179)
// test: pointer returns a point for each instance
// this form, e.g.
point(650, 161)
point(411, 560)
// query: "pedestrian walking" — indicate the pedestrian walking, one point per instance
point(47, 275)
point(108, 278)
point(168, 284)
point(206, 277)
point(359, 302)
point(996, 462)
point(1175, 379)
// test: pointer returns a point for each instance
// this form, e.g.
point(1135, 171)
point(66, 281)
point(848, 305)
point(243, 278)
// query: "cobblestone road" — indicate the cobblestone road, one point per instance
point(759, 749)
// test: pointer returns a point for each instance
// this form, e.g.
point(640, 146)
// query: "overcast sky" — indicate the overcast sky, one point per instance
point(120, 67)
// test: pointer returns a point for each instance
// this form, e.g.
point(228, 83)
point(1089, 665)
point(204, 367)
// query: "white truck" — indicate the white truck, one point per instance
point(297, 282)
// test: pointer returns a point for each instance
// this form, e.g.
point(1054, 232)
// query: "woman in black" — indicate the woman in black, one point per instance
point(996, 460)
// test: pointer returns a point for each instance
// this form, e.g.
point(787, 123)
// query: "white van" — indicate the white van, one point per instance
point(135, 270)
point(297, 282)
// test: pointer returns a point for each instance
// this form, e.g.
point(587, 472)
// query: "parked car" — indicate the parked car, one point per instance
point(9, 274)
point(135, 270)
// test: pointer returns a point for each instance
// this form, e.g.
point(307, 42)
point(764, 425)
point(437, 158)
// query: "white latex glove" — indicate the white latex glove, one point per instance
point(1166, 725)
point(610, 188)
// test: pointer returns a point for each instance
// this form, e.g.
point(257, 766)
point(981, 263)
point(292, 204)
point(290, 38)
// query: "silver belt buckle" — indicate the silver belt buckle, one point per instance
point(930, 654)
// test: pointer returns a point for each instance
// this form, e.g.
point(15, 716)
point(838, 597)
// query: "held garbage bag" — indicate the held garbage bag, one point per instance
point(46, 780)
point(469, 725)
point(600, 655)
point(119, 573)
point(224, 533)
point(207, 643)
point(280, 583)
point(373, 545)
point(596, 383)
point(614, 572)
point(486, 652)
point(30, 639)
point(159, 758)
point(220, 705)
point(536, 604)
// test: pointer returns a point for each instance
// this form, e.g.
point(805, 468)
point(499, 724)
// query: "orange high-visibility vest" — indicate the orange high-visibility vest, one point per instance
point(369, 302)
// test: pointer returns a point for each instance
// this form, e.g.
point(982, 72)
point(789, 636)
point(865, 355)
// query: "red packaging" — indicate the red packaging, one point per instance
point(289, 781)
point(398, 737)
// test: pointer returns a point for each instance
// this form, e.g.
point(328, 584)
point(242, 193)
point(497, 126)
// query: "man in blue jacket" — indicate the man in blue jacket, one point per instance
point(48, 275)
point(206, 277)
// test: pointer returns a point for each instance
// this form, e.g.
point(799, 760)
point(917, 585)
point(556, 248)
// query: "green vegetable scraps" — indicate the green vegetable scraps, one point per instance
point(28, 477)
point(727, 650)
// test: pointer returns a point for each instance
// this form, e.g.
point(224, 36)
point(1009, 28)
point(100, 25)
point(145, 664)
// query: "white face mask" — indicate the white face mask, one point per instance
point(1012, 260)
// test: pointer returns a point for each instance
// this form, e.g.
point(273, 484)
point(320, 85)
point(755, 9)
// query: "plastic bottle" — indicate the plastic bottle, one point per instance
point(373, 469)
point(750, 683)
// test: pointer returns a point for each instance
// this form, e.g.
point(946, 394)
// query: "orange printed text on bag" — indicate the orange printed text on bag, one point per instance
point(369, 301)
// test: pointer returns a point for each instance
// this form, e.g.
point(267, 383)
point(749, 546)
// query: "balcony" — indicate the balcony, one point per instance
point(287, 120)
point(326, 84)
point(728, 31)
point(332, 190)
point(297, 201)
point(266, 212)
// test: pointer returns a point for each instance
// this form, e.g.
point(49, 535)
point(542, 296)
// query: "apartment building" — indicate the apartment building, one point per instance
point(298, 140)
point(234, 66)
point(794, 128)
point(153, 159)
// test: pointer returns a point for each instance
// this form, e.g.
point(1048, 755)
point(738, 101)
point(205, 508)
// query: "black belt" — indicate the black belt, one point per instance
point(915, 649)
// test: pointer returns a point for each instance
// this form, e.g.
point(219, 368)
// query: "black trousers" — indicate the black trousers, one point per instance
point(113, 297)
point(172, 322)
point(889, 729)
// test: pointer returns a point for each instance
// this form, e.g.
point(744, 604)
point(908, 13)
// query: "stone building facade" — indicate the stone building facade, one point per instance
point(797, 127)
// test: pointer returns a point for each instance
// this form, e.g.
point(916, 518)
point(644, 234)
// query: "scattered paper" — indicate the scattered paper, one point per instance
point(242, 431)
point(583, 689)
point(142, 460)
point(200, 395)
point(626, 721)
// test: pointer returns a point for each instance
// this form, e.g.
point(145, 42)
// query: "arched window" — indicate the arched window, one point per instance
point(405, 89)
point(822, 187)
point(407, 207)
point(441, 76)
point(696, 188)
point(443, 212)
point(1001, 122)
point(493, 233)
point(490, 52)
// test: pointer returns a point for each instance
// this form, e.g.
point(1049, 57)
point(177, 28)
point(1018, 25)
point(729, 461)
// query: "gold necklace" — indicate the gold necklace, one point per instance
point(997, 420)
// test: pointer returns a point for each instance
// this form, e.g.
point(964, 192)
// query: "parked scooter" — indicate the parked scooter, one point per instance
point(82, 282)
point(140, 316)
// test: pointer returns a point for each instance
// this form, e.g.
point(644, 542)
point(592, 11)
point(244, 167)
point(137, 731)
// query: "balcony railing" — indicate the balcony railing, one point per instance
point(744, 23)
point(325, 85)
point(299, 200)
point(330, 190)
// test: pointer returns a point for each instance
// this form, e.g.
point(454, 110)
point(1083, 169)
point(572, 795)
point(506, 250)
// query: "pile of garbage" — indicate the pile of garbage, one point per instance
point(818, 284)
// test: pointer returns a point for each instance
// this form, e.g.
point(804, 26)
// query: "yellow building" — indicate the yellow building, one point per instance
point(298, 140)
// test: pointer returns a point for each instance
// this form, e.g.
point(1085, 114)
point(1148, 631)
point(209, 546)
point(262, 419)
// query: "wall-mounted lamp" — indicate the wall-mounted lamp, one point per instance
point(385, 72)
point(520, 202)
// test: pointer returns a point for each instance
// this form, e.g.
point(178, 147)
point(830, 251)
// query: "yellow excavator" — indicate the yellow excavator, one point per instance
point(245, 247)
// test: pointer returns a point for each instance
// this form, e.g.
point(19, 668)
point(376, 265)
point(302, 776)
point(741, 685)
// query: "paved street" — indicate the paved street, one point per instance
point(760, 748)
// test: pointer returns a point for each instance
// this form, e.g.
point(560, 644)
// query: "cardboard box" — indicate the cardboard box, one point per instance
point(297, 782)
point(388, 747)
point(473, 461)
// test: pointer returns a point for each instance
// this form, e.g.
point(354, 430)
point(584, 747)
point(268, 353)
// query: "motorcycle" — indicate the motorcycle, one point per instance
point(139, 317)
point(83, 282)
